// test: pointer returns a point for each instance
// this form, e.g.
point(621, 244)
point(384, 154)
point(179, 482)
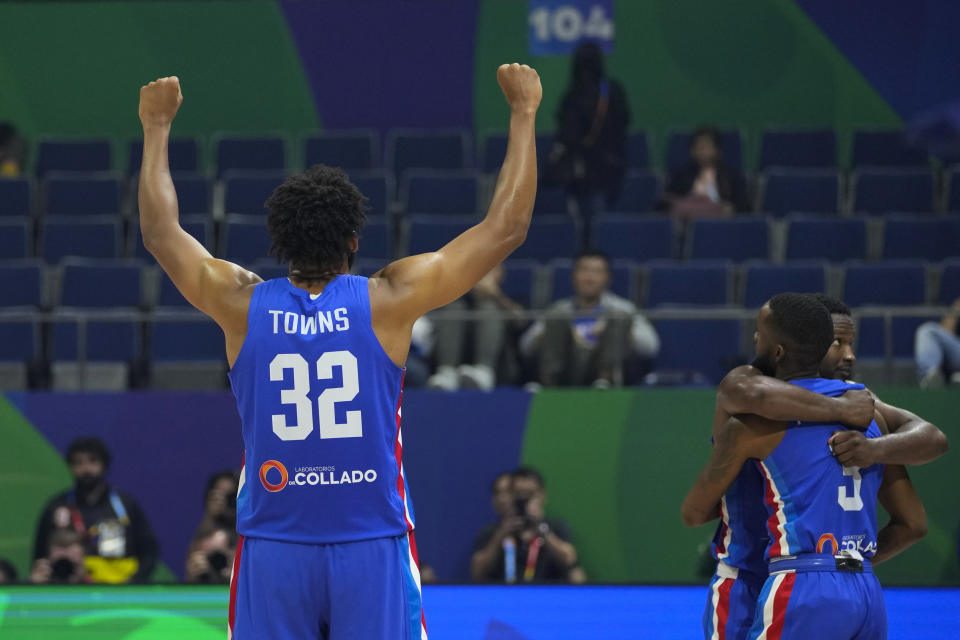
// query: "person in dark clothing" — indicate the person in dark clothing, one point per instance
point(588, 156)
point(13, 151)
point(8, 572)
point(540, 547)
point(706, 187)
point(119, 544)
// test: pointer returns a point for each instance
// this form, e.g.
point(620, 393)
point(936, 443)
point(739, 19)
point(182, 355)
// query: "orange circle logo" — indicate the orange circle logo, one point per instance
point(265, 468)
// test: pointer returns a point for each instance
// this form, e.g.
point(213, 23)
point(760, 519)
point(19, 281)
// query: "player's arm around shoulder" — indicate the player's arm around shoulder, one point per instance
point(906, 439)
point(220, 289)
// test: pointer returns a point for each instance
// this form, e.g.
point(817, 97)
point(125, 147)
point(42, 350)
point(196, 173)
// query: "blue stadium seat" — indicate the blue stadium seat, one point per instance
point(494, 149)
point(352, 150)
point(826, 239)
point(549, 237)
point(812, 148)
point(250, 154)
point(893, 190)
point(366, 267)
point(376, 239)
point(429, 233)
point(678, 148)
point(19, 340)
point(193, 193)
point(634, 237)
point(106, 341)
point(169, 296)
point(953, 190)
point(806, 190)
point(244, 239)
point(926, 238)
point(427, 149)
point(886, 283)
point(903, 331)
point(871, 338)
point(377, 187)
point(182, 153)
point(640, 192)
point(550, 200)
point(246, 191)
point(623, 278)
point(439, 192)
point(638, 151)
point(16, 197)
point(94, 237)
point(185, 339)
point(735, 239)
point(15, 238)
point(103, 285)
point(762, 281)
point(691, 283)
point(710, 347)
point(82, 194)
point(949, 282)
point(200, 227)
point(73, 155)
point(886, 149)
point(519, 280)
point(21, 284)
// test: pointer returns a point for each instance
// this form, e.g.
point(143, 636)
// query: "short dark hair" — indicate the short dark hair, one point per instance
point(93, 446)
point(804, 324)
point(706, 132)
point(530, 474)
point(228, 474)
point(313, 216)
point(592, 253)
point(833, 305)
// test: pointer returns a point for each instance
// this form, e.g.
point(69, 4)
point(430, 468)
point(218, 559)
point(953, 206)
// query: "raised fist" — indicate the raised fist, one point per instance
point(159, 101)
point(521, 86)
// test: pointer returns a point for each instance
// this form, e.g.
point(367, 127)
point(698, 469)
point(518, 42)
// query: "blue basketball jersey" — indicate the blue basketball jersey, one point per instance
point(319, 400)
point(741, 536)
point(813, 504)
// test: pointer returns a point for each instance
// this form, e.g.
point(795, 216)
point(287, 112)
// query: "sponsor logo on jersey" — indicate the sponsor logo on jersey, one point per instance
point(859, 543)
point(824, 539)
point(311, 476)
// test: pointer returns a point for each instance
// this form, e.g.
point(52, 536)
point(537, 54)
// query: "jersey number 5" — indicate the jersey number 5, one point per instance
point(326, 401)
point(854, 502)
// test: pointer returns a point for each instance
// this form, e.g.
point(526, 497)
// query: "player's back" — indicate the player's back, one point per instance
point(319, 400)
point(741, 537)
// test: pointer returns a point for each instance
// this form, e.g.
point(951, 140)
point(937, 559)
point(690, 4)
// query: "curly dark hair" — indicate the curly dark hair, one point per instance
point(312, 217)
point(804, 325)
point(834, 306)
point(93, 447)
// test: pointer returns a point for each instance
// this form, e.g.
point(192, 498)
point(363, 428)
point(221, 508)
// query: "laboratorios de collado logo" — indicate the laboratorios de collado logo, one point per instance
point(275, 477)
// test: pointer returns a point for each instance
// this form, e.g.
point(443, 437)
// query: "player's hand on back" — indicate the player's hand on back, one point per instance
point(858, 408)
point(521, 87)
point(852, 449)
point(159, 101)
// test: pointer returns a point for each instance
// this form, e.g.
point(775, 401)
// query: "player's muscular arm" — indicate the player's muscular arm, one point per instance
point(911, 440)
point(746, 390)
point(410, 287)
point(735, 441)
point(220, 289)
point(908, 519)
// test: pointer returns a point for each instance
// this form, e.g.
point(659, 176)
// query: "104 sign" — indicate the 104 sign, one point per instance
point(558, 26)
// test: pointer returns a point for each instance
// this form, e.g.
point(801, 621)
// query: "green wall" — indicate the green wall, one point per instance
point(748, 64)
point(618, 465)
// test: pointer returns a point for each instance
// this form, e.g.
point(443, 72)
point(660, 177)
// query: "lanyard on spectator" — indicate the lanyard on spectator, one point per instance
point(115, 502)
point(532, 556)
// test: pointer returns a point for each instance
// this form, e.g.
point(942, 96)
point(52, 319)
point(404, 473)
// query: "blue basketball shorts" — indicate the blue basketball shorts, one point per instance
point(366, 590)
point(731, 602)
point(800, 604)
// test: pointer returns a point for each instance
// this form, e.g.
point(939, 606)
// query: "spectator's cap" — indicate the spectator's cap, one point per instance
point(92, 446)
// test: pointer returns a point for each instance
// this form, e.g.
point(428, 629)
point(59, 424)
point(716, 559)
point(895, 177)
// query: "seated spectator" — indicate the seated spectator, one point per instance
point(705, 187)
point(210, 559)
point(62, 561)
point(13, 151)
point(588, 156)
point(494, 312)
point(8, 572)
point(525, 545)
point(937, 349)
point(220, 500)
point(584, 339)
point(120, 545)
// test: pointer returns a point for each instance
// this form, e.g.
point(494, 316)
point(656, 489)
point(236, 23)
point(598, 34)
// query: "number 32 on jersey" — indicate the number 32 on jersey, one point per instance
point(326, 401)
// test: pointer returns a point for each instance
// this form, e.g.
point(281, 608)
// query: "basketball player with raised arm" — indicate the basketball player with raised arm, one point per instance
point(316, 364)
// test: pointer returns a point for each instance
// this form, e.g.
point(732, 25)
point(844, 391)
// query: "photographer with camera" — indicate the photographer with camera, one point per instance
point(525, 546)
point(210, 560)
point(119, 544)
point(63, 562)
